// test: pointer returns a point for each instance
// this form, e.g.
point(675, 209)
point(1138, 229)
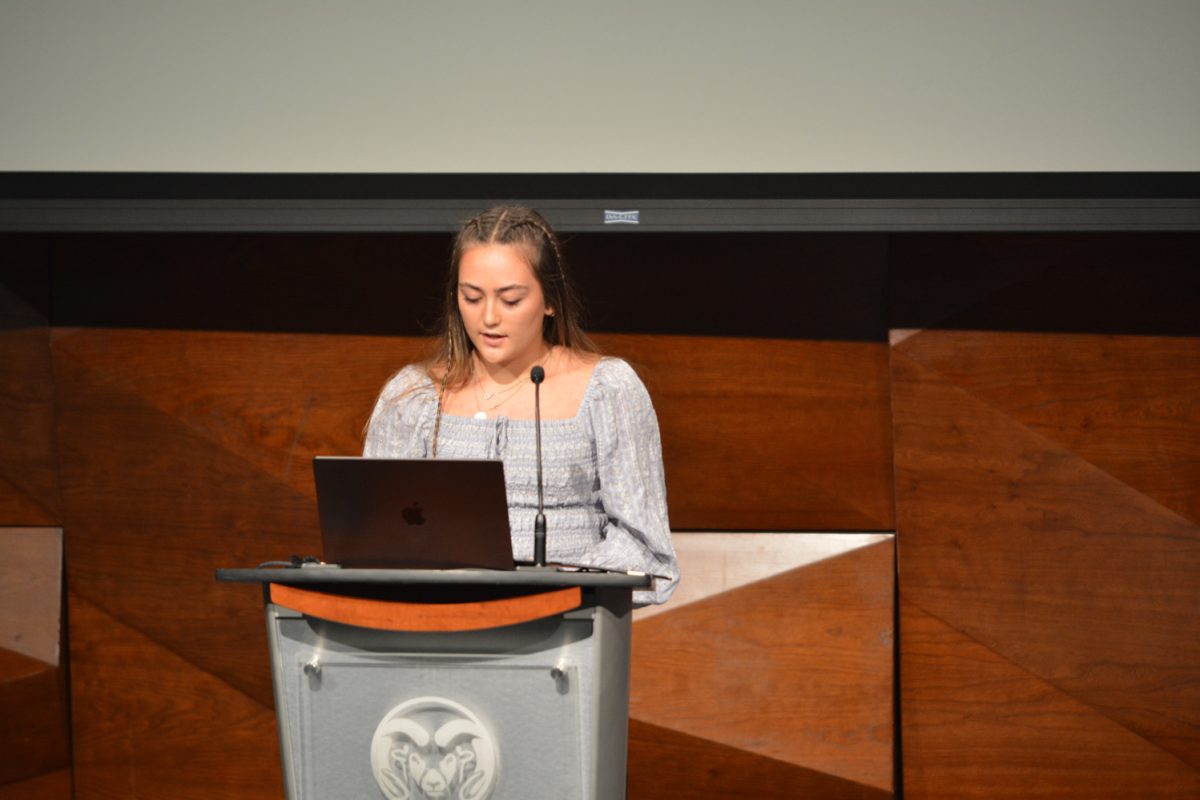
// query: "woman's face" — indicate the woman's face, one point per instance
point(502, 305)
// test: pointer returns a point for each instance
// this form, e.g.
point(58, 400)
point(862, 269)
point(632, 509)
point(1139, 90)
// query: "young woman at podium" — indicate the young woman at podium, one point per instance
point(509, 306)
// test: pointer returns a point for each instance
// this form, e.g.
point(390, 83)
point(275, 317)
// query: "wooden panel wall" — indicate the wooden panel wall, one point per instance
point(1042, 395)
point(196, 376)
point(34, 734)
point(1046, 393)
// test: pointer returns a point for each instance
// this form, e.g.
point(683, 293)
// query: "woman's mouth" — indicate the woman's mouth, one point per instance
point(493, 339)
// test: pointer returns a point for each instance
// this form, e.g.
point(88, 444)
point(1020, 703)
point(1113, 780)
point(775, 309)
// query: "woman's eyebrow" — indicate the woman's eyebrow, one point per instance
point(510, 288)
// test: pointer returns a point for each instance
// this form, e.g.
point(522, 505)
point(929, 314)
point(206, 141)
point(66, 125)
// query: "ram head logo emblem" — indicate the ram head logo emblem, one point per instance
point(431, 748)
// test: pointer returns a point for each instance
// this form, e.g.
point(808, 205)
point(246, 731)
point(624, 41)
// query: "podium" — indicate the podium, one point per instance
point(449, 684)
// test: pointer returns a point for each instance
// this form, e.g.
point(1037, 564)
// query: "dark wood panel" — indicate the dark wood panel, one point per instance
point(25, 280)
point(50, 786)
point(666, 763)
point(34, 727)
point(1046, 559)
point(976, 725)
point(316, 283)
point(770, 435)
point(736, 285)
point(1128, 404)
point(1124, 283)
point(149, 723)
point(762, 285)
point(28, 463)
point(796, 668)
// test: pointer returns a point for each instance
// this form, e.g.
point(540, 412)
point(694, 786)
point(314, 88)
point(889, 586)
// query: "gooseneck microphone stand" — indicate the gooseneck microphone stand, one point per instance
point(537, 375)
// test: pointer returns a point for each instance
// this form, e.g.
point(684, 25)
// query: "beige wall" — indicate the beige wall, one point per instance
point(372, 86)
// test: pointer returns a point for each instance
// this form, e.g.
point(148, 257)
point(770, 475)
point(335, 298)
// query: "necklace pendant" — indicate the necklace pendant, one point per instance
point(480, 415)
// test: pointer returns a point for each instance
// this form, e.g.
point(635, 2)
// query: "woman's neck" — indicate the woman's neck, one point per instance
point(508, 373)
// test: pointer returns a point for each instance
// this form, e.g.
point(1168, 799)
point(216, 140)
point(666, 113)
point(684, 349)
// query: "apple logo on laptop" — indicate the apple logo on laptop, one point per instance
point(414, 514)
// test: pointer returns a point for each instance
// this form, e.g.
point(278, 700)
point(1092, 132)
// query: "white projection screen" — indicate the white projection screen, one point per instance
point(371, 86)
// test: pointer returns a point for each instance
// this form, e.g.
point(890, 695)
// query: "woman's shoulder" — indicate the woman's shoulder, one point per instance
point(616, 373)
point(412, 381)
point(615, 382)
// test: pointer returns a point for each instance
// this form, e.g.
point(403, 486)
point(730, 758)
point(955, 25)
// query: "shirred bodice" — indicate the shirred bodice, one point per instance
point(603, 486)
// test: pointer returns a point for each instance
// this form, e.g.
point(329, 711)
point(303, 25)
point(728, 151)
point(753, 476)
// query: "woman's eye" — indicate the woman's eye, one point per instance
point(472, 300)
point(511, 303)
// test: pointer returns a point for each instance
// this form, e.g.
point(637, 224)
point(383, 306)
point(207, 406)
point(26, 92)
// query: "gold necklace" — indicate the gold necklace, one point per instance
point(489, 395)
point(505, 394)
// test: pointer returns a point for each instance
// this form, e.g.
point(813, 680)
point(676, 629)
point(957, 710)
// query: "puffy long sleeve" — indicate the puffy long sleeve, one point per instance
point(637, 535)
point(402, 423)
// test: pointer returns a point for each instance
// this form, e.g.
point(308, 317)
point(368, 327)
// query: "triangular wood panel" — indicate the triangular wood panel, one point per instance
point(153, 509)
point(34, 734)
point(49, 786)
point(146, 720)
point(976, 725)
point(274, 400)
point(1130, 405)
point(796, 667)
point(667, 763)
point(1046, 559)
point(18, 508)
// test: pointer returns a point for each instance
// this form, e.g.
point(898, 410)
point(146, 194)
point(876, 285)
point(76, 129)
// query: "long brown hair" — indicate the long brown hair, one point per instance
point(528, 230)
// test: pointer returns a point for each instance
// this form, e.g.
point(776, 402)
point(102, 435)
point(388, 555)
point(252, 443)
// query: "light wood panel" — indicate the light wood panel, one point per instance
point(796, 668)
point(31, 592)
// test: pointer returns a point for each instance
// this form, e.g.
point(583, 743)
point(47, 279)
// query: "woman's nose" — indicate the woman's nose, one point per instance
point(491, 314)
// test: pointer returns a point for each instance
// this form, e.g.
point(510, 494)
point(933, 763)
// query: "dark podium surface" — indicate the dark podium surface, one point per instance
point(522, 576)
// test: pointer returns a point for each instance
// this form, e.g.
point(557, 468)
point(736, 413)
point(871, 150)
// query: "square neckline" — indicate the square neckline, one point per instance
point(583, 401)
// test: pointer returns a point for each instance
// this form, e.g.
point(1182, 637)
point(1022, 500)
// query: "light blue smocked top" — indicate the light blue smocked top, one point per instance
point(605, 496)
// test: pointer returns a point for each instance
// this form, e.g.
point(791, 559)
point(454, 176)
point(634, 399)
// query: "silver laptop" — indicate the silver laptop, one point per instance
point(420, 513)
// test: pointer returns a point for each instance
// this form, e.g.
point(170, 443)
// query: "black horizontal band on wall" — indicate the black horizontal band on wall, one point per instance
point(585, 186)
point(97, 201)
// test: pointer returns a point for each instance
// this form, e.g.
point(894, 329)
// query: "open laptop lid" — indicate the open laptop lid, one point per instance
point(419, 513)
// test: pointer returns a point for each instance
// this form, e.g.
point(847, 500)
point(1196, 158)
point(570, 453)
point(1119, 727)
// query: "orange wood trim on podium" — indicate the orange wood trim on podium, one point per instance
point(398, 616)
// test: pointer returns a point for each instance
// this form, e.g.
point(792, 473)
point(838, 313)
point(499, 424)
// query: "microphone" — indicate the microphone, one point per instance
point(537, 375)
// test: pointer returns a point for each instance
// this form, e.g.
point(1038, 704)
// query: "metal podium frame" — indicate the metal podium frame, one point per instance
point(540, 653)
